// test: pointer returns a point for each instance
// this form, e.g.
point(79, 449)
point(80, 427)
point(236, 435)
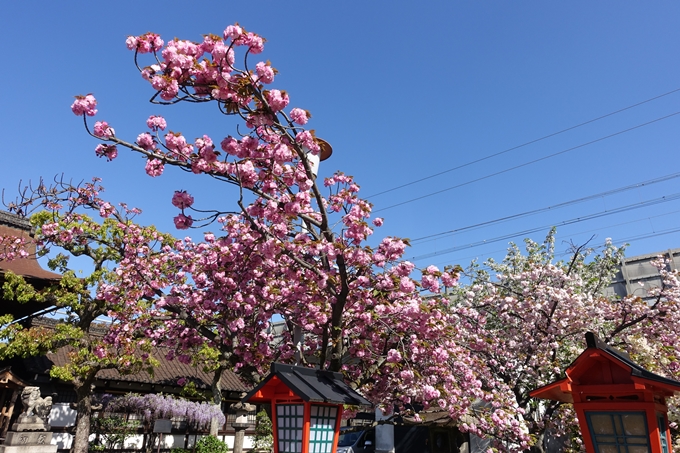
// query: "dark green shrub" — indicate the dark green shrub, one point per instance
point(264, 440)
point(211, 444)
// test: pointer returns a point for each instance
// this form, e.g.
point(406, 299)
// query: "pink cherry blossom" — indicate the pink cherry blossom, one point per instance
point(306, 139)
point(103, 130)
point(148, 42)
point(183, 222)
point(265, 73)
point(254, 42)
point(84, 105)
point(108, 151)
point(277, 100)
point(146, 141)
point(299, 116)
point(156, 123)
point(106, 209)
point(154, 167)
point(233, 32)
point(182, 200)
point(394, 356)
point(406, 285)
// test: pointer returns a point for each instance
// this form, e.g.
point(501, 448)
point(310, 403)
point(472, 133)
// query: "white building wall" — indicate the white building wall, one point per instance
point(63, 416)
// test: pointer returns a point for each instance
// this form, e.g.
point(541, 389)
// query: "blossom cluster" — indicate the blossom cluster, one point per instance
point(12, 247)
point(294, 248)
point(154, 406)
point(526, 322)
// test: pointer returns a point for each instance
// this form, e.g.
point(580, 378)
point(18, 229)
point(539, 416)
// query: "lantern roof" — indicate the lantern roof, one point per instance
point(601, 364)
point(308, 384)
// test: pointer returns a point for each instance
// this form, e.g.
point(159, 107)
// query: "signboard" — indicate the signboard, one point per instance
point(163, 426)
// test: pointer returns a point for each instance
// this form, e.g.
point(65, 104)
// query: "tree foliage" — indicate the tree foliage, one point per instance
point(287, 247)
point(62, 233)
point(526, 317)
point(264, 437)
point(290, 247)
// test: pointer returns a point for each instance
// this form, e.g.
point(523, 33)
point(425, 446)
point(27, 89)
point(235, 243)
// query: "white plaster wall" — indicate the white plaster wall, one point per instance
point(62, 415)
point(135, 441)
point(62, 440)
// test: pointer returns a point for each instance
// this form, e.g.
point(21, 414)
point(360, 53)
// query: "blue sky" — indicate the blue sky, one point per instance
point(402, 90)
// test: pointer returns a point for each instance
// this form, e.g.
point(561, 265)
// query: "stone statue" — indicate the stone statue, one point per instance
point(31, 432)
point(43, 408)
point(34, 404)
point(36, 412)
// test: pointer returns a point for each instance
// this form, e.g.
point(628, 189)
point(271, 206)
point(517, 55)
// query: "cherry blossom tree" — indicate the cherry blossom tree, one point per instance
point(287, 247)
point(63, 233)
point(525, 319)
point(290, 248)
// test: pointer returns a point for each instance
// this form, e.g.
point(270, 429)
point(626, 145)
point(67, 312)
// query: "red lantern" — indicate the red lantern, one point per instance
point(306, 407)
point(621, 407)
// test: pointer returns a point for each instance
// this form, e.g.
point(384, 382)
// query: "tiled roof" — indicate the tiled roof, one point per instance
point(13, 225)
point(168, 372)
point(29, 268)
point(309, 384)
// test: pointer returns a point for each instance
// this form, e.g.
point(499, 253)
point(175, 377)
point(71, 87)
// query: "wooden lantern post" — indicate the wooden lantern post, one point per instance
point(306, 407)
point(621, 407)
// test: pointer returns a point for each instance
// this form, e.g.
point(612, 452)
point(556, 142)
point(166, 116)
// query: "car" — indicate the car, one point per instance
point(407, 439)
point(354, 440)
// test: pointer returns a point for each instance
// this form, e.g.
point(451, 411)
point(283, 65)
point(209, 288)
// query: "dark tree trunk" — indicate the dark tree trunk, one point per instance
point(216, 388)
point(84, 407)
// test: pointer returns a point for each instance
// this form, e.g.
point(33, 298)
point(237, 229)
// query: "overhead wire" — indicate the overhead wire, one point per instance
point(547, 208)
point(527, 163)
point(524, 144)
point(625, 208)
point(618, 242)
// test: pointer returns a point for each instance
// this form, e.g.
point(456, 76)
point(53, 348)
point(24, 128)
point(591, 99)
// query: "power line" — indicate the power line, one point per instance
point(618, 242)
point(596, 215)
point(528, 163)
point(523, 144)
point(548, 208)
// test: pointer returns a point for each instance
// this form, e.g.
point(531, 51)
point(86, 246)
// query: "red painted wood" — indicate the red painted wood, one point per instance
point(305, 427)
point(598, 381)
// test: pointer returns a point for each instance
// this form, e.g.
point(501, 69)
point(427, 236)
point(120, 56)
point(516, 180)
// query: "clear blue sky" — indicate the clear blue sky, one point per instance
point(402, 90)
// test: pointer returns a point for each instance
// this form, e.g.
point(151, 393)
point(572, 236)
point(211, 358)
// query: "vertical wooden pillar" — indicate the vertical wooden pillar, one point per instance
point(10, 411)
point(307, 412)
